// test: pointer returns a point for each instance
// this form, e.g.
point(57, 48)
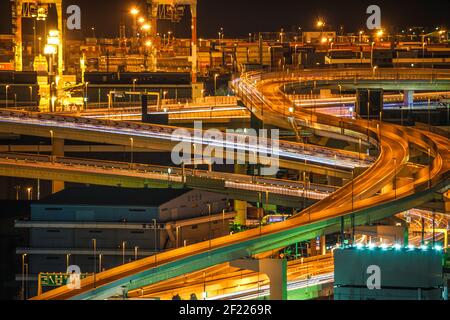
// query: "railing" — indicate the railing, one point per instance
point(236, 181)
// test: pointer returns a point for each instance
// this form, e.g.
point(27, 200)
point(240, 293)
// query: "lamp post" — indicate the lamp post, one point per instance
point(94, 253)
point(86, 95)
point(134, 12)
point(23, 275)
point(209, 223)
point(155, 231)
point(29, 194)
point(50, 51)
point(6, 97)
point(371, 53)
point(215, 83)
point(17, 188)
point(123, 251)
point(423, 53)
point(131, 150)
point(100, 260)
point(67, 261)
point(135, 252)
point(169, 171)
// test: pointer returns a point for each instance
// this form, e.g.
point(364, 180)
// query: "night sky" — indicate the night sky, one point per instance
point(239, 17)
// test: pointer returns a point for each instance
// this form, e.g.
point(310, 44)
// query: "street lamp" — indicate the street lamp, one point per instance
point(23, 275)
point(155, 230)
point(50, 51)
point(6, 97)
point(169, 171)
point(146, 27)
point(94, 248)
point(131, 150)
point(209, 218)
point(373, 71)
point(86, 95)
point(68, 260)
point(123, 251)
point(29, 194)
point(215, 83)
point(17, 188)
point(134, 12)
point(423, 54)
point(100, 260)
point(371, 53)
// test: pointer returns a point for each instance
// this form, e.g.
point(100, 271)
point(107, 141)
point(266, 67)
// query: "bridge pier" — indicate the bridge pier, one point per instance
point(321, 250)
point(240, 206)
point(58, 151)
point(408, 98)
point(275, 269)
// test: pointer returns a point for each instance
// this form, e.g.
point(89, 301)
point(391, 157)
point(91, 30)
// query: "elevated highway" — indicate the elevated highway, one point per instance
point(100, 172)
point(165, 138)
point(358, 202)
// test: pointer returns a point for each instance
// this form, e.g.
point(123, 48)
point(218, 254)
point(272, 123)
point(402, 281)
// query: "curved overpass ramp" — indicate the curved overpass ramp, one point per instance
point(322, 218)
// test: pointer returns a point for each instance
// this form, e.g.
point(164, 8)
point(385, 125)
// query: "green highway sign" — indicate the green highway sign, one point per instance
point(56, 279)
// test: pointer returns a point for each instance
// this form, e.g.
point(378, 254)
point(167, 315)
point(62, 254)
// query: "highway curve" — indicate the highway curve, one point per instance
point(321, 218)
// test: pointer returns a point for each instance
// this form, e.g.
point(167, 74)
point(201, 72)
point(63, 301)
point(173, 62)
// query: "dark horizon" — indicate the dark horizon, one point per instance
point(238, 18)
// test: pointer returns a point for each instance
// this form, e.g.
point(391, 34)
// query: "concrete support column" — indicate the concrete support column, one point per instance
point(240, 206)
point(323, 245)
point(57, 150)
point(313, 247)
point(241, 212)
point(276, 270)
point(408, 98)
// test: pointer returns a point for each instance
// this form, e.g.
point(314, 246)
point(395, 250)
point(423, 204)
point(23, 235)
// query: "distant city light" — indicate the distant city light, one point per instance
point(49, 49)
